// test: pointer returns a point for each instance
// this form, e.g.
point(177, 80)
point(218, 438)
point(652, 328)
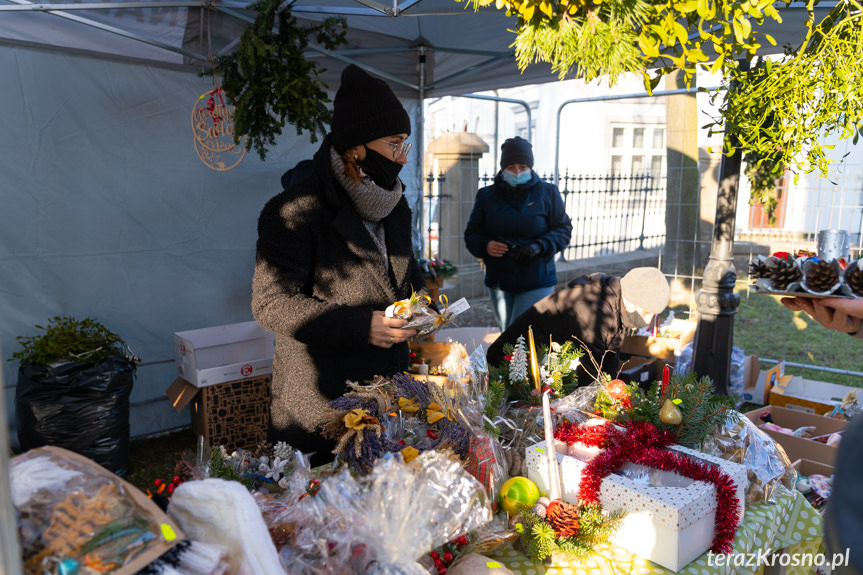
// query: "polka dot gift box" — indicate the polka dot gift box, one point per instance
point(670, 519)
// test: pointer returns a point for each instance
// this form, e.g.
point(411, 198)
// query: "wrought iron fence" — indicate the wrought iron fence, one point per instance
point(611, 213)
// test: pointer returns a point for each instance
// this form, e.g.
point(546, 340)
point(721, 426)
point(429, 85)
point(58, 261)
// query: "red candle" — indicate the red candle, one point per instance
point(666, 376)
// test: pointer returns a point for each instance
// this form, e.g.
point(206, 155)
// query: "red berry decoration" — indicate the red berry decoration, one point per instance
point(171, 489)
point(442, 571)
point(157, 482)
point(438, 563)
point(462, 540)
point(176, 480)
point(435, 555)
point(447, 557)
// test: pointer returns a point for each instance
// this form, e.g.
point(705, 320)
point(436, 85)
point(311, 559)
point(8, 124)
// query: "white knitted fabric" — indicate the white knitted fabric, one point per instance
point(224, 513)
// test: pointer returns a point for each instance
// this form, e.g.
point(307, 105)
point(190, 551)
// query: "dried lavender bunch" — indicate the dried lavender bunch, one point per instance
point(408, 387)
point(453, 436)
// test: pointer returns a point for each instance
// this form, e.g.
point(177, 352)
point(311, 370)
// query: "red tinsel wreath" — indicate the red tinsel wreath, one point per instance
point(643, 443)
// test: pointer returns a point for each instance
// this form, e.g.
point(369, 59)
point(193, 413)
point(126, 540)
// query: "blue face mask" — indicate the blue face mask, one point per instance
point(516, 179)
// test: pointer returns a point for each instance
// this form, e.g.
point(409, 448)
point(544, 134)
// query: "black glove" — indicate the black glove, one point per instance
point(526, 253)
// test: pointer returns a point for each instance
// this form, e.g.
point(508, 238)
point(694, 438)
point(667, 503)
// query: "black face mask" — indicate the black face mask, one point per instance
point(382, 170)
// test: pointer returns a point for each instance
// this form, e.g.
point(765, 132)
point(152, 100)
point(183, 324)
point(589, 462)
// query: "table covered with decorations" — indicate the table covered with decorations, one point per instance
point(477, 468)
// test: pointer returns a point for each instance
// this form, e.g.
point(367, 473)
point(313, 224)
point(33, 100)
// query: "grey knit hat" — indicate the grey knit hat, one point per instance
point(646, 288)
point(365, 109)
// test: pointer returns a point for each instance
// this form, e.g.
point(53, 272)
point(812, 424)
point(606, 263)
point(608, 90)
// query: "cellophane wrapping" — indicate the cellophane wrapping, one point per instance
point(399, 512)
point(739, 440)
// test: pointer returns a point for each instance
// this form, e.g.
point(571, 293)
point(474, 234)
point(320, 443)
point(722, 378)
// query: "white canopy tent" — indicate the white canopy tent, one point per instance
point(107, 211)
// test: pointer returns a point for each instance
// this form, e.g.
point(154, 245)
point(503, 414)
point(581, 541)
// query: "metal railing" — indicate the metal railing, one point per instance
point(611, 213)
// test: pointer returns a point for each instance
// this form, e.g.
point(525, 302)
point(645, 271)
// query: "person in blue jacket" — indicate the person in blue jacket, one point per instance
point(516, 227)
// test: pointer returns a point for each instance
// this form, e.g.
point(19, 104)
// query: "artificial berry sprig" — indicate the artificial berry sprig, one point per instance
point(161, 487)
point(443, 556)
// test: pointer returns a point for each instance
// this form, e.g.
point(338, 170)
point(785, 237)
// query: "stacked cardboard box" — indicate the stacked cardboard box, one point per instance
point(224, 376)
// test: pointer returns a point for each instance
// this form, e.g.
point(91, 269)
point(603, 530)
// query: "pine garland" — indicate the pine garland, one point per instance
point(494, 399)
point(595, 527)
point(702, 409)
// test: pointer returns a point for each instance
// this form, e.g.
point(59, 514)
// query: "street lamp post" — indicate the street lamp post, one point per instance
point(716, 301)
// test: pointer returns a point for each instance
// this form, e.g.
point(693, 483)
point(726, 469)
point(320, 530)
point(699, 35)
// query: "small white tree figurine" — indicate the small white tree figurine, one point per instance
point(518, 363)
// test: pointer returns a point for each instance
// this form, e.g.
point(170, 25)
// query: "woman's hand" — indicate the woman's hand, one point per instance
point(385, 332)
point(496, 249)
point(836, 313)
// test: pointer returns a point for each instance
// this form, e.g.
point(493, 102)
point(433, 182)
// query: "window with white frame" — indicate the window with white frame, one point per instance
point(637, 149)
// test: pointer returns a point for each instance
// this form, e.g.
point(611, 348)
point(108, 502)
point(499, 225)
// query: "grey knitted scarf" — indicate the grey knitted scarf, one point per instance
point(372, 202)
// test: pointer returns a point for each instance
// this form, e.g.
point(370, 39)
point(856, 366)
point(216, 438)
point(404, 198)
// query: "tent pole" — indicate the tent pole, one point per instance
point(420, 140)
point(10, 551)
point(716, 301)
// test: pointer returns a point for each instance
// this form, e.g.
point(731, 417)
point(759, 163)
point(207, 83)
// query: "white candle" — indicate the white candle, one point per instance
point(554, 490)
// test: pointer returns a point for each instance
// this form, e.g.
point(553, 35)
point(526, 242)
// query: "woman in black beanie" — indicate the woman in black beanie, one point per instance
point(517, 225)
point(334, 250)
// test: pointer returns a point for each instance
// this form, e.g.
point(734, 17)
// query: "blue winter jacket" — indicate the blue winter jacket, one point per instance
point(529, 213)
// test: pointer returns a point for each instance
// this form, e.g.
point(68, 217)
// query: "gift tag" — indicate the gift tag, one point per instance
point(458, 307)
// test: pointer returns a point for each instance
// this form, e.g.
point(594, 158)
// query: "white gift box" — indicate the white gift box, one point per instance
point(669, 518)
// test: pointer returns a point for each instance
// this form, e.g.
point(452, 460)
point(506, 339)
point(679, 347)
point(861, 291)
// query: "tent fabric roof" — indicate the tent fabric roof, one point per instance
point(465, 51)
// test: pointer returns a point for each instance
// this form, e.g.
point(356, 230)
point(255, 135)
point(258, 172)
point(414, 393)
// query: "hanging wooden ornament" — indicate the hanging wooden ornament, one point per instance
point(213, 130)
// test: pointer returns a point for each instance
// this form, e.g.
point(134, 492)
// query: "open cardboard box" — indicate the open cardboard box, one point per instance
point(808, 467)
point(820, 397)
point(774, 387)
point(798, 447)
point(757, 383)
point(661, 347)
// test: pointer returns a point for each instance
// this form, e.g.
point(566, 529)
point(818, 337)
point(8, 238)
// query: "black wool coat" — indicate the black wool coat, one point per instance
point(318, 278)
point(586, 311)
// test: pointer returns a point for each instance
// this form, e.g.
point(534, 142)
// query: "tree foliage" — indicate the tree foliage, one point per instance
point(269, 79)
point(783, 108)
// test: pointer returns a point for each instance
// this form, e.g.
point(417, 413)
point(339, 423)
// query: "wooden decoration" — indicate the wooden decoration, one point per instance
point(213, 129)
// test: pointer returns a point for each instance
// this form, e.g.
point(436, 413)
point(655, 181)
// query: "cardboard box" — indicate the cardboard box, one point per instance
point(819, 397)
point(754, 390)
point(669, 521)
point(234, 414)
point(808, 467)
point(661, 347)
point(224, 353)
point(798, 447)
point(639, 369)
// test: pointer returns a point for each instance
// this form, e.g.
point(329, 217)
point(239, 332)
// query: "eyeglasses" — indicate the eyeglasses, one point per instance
point(400, 148)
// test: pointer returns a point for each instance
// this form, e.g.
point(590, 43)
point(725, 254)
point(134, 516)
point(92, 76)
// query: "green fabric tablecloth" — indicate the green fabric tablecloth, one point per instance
point(791, 524)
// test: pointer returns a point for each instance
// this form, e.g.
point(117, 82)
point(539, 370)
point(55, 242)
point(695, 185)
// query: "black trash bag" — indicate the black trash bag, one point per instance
point(77, 406)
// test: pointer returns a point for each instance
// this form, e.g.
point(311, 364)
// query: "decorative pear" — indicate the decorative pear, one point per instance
point(670, 413)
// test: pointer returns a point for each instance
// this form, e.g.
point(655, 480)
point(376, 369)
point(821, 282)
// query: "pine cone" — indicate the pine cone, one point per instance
point(758, 269)
point(783, 272)
point(563, 518)
point(821, 276)
point(184, 471)
point(855, 281)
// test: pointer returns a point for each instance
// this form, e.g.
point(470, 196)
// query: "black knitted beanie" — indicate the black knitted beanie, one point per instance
point(365, 109)
point(516, 151)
